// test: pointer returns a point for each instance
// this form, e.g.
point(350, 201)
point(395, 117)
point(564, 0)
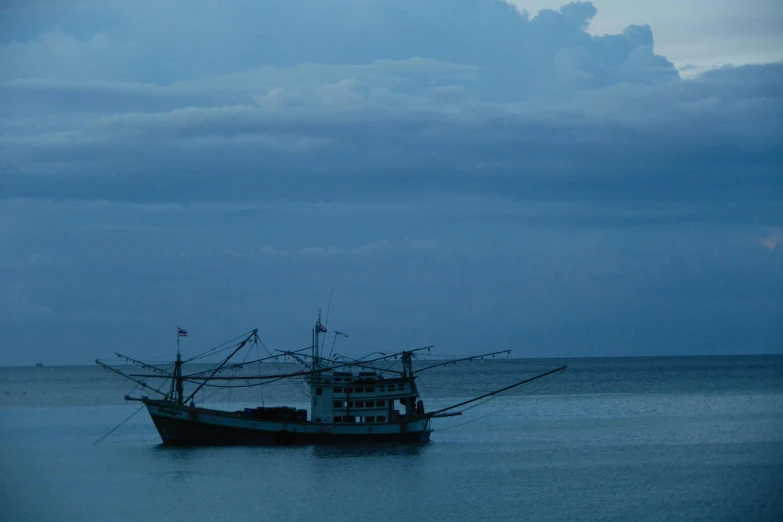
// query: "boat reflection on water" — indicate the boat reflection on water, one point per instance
point(340, 451)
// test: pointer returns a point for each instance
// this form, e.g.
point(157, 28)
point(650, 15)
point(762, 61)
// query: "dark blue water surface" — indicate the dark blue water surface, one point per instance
point(610, 439)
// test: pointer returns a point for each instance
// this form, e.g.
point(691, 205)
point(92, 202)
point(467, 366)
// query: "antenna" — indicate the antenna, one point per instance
point(328, 309)
point(329, 306)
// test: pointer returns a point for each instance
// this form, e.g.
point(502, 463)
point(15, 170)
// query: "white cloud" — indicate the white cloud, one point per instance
point(697, 35)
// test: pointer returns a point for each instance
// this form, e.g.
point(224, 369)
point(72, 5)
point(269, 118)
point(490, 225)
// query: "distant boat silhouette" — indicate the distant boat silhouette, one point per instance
point(39, 364)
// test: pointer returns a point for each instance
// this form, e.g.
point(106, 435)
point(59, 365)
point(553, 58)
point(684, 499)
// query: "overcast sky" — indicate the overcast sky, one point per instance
point(563, 180)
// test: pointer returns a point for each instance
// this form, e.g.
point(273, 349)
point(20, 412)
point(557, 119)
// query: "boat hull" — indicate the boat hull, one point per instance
point(180, 425)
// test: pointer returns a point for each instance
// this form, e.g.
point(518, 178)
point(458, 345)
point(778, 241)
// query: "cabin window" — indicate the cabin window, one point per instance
point(359, 404)
point(338, 419)
point(382, 388)
point(380, 418)
point(349, 390)
point(359, 390)
point(369, 404)
point(400, 386)
point(337, 379)
point(380, 403)
point(369, 418)
point(319, 391)
point(370, 390)
point(338, 390)
point(350, 404)
point(349, 418)
point(338, 404)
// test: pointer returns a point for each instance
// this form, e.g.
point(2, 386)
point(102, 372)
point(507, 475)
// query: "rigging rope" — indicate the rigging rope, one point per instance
point(118, 425)
point(221, 347)
point(421, 385)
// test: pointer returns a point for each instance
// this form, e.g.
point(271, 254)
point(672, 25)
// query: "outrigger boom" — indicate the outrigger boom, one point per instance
point(377, 404)
point(501, 390)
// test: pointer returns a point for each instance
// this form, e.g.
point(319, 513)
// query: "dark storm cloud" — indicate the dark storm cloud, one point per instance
point(674, 140)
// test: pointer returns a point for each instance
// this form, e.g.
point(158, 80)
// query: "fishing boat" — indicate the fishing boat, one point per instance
point(368, 400)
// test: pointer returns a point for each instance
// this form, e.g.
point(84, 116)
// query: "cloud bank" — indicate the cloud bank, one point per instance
point(435, 160)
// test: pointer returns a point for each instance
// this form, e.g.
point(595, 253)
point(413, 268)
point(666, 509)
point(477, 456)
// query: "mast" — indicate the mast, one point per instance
point(316, 345)
point(176, 379)
point(178, 375)
point(407, 367)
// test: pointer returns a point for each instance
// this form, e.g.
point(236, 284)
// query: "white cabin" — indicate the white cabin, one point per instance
point(366, 397)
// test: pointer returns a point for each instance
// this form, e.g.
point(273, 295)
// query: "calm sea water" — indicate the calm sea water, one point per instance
point(610, 439)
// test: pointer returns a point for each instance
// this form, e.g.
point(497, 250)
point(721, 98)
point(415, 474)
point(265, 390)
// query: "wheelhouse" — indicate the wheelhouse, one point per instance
point(365, 397)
